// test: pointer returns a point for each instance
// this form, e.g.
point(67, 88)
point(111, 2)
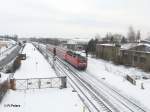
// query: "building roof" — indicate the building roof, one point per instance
point(108, 44)
point(78, 41)
point(128, 46)
point(131, 46)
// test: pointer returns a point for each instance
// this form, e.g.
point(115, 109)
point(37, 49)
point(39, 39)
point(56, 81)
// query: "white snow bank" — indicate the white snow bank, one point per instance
point(3, 77)
point(44, 100)
point(114, 75)
point(7, 51)
point(39, 100)
point(35, 65)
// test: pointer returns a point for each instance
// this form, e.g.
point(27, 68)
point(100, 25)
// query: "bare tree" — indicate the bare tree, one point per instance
point(123, 40)
point(138, 36)
point(97, 36)
point(131, 34)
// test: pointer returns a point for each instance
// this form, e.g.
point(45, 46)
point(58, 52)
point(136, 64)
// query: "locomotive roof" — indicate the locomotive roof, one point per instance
point(76, 53)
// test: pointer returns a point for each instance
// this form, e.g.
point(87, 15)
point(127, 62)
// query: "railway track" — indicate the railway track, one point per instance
point(122, 103)
point(130, 103)
point(100, 95)
point(92, 100)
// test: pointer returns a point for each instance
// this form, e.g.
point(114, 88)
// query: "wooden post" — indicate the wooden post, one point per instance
point(39, 84)
point(83, 108)
point(63, 82)
point(13, 84)
point(142, 86)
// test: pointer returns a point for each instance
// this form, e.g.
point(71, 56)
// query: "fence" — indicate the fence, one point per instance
point(3, 89)
point(38, 83)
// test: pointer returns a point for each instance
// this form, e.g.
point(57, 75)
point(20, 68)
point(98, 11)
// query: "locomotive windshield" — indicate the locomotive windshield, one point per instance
point(71, 53)
point(81, 57)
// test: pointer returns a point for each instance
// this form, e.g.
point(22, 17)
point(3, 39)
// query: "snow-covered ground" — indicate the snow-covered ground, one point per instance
point(9, 44)
point(114, 75)
point(43, 100)
point(35, 65)
point(7, 51)
point(3, 77)
point(4, 51)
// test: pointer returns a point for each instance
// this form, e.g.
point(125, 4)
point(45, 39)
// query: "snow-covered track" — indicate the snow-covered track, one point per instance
point(123, 99)
point(101, 95)
point(85, 92)
point(9, 55)
point(101, 88)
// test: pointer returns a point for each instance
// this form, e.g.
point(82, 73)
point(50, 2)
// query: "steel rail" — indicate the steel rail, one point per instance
point(123, 100)
point(132, 106)
point(102, 105)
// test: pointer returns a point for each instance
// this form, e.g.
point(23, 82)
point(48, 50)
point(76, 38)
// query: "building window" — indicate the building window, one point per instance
point(142, 59)
point(135, 58)
point(125, 54)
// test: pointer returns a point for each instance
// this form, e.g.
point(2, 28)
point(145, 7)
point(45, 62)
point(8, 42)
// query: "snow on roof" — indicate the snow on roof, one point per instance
point(144, 44)
point(109, 44)
point(132, 45)
point(82, 53)
point(81, 39)
point(78, 41)
point(145, 41)
point(128, 46)
point(71, 42)
point(12, 41)
point(8, 41)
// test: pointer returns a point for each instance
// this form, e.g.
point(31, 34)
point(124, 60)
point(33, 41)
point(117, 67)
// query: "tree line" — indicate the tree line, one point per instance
point(132, 36)
point(53, 41)
point(14, 37)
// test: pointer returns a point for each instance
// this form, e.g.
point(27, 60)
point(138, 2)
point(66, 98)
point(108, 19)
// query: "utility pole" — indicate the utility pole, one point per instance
point(36, 65)
point(54, 56)
point(46, 51)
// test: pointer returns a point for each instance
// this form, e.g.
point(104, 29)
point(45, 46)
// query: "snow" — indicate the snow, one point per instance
point(3, 77)
point(8, 43)
point(114, 75)
point(145, 44)
point(2, 49)
point(128, 45)
point(44, 100)
point(39, 100)
point(64, 100)
point(131, 45)
point(35, 65)
point(7, 51)
point(82, 53)
point(111, 45)
point(78, 41)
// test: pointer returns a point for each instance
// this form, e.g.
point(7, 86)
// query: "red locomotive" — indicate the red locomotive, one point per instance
point(75, 59)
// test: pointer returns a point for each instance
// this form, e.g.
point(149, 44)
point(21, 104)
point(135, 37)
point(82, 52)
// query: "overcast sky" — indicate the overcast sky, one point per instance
point(69, 18)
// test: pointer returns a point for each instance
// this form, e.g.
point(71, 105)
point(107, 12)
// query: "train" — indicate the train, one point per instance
point(75, 59)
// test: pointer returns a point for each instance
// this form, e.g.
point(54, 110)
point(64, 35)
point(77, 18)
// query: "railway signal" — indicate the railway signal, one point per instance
point(54, 51)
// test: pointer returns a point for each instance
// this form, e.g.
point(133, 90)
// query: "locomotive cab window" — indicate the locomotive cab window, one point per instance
point(74, 55)
point(69, 53)
point(81, 57)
